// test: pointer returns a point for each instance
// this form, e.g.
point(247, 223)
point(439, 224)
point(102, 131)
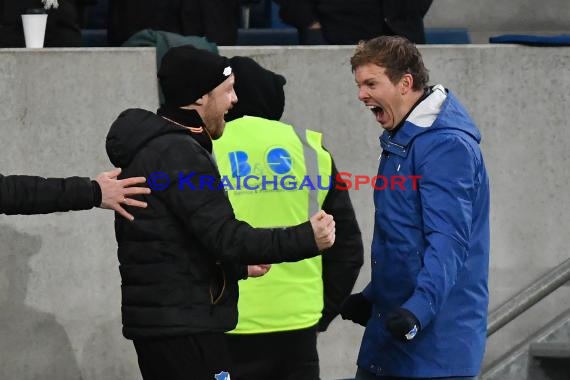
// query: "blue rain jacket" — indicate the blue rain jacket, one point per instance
point(430, 250)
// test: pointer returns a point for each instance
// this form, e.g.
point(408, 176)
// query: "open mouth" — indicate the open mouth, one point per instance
point(378, 112)
point(228, 110)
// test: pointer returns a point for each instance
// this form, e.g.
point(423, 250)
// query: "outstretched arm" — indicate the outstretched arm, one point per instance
point(27, 195)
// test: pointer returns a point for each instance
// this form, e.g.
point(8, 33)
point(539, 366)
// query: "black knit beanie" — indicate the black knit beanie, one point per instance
point(259, 91)
point(187, 73)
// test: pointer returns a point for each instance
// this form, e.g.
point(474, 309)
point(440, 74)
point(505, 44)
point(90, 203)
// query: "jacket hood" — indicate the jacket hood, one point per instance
point(259, 91)
point(440, 110)
point(133, 129)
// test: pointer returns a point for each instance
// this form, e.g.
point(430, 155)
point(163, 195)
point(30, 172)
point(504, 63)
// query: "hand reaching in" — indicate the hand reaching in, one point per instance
point(115, 192)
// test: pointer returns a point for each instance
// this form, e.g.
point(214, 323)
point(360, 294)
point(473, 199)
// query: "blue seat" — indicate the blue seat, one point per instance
point(532, 40)
point(447, 36)
point(94, 31)
point(289, 36)
point(94, 37)
point(268, 36)
point(266, 28)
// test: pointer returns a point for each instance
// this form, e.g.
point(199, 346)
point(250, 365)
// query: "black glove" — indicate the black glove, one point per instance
point(402, 324)
point(357, 309)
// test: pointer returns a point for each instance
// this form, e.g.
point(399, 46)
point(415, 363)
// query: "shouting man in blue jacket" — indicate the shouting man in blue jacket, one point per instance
point(425, 309)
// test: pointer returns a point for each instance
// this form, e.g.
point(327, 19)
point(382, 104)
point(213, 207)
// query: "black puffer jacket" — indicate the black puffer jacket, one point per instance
point(21, 194)
point(179, 258)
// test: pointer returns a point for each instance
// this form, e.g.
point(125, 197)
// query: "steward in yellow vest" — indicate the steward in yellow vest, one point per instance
point(277, 176)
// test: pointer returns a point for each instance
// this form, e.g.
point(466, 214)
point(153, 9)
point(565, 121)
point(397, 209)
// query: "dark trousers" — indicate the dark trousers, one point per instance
point(365, 375)
point(288, 355)
point(197, 357)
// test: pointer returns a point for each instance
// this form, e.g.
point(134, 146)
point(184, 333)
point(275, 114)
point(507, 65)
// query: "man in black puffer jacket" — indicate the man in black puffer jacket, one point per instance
point(182, 257)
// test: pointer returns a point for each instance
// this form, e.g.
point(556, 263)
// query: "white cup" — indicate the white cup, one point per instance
point(34, 29)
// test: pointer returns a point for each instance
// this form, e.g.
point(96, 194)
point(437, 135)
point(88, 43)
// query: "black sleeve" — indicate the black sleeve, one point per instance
point(341, 262)
point(214, 19)
point(86, 2)
point(405, 18)
point(299, 13)
point(242, 272)
point(36, 195)
point(198, 199)
point(97, 193)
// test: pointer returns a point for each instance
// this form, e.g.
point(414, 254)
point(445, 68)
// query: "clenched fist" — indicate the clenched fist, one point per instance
point(257, 270)
point(323, 229)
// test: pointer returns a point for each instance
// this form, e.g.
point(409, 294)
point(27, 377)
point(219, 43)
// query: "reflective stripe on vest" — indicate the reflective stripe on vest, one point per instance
point(253, 150)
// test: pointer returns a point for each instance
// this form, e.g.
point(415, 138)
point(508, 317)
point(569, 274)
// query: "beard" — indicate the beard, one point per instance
point(216, 127)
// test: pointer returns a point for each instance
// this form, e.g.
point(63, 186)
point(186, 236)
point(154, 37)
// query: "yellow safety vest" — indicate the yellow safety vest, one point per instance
point(270, 173)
